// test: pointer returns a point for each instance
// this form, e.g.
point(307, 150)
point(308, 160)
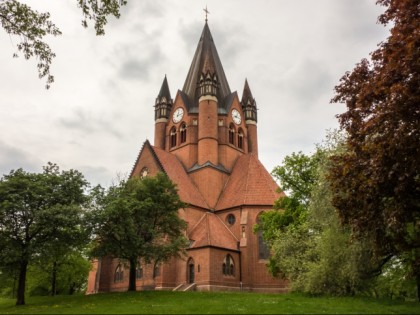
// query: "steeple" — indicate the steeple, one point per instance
point(249, 106)
point(163, 106)
point(163, 102)
point(206, 75)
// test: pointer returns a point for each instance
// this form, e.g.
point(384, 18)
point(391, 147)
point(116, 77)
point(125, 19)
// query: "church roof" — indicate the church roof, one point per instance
point(206, 60)
point(187, 191)
point(248, 184)
point(211, 231)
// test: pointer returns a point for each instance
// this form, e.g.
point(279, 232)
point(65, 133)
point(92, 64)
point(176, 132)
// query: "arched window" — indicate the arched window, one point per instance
point(231, 134)
point(139, 271)
point(240, 139)
point(156, 270)
point(263, 250)
point(228, 266)
point(183, 132)
point(119, 274)
point(173, 137)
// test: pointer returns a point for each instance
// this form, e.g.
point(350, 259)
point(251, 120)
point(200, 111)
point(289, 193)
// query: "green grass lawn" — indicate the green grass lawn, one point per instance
point(167, 302)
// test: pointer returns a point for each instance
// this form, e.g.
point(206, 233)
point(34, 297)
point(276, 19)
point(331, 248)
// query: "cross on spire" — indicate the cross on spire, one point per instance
point(207, 12)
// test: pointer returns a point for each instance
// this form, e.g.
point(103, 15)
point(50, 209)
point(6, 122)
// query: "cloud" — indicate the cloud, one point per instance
point(87, 122)
point(13, 158)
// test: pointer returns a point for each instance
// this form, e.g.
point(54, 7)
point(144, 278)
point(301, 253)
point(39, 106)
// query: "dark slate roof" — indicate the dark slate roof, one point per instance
point(247, 95)
point(206, 59)
point(164, 90)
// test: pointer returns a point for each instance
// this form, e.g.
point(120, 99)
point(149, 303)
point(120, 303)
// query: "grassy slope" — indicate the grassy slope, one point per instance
point(153, 302)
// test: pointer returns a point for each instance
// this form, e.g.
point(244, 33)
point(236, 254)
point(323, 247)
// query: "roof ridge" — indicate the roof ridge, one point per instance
point(199, 221)
point(227, 228)
point(208, 228)
point(253, 155)
point(247, 179)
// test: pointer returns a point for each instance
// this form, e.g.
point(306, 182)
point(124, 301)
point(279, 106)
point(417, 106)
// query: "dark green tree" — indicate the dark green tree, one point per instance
point(138, 218)
point(31, 27)
point(36, 211)
point(375, 182)
point(70, 276)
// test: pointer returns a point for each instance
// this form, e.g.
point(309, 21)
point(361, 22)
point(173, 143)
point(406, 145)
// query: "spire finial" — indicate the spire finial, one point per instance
point(207, 12)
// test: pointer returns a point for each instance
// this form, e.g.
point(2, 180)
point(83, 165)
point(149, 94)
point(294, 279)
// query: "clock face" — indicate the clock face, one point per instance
point(178, 114)
point(236, 116)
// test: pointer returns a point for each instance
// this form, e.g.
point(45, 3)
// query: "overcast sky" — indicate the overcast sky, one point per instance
point(99, 111)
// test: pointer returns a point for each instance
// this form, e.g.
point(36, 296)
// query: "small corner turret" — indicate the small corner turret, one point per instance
point(163, 106)
point(249, 106)
point(163, 102)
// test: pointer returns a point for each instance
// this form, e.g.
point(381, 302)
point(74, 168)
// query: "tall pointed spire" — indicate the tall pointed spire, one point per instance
point(164, 90)
point(206, 70)
point(249, 106)
point(163, 102)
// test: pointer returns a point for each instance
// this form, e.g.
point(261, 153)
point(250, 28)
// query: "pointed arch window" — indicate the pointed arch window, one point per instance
point(183, 132)
point(228, 266)
point(240, 139)
point(119, 274)
point(172, 135)
point(263, 250)
point(231, 134)
point(139, 271)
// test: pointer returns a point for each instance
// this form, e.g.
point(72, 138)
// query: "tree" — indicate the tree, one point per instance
point(375, 182)
point(71, 275)
point(310, 247)
point(37, 210)
point(31, 27)
point(138, 218)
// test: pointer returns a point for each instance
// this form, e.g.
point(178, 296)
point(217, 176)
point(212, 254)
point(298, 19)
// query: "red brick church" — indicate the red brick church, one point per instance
point(206, 141)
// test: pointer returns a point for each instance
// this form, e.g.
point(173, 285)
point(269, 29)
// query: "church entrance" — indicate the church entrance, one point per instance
point(191, 275)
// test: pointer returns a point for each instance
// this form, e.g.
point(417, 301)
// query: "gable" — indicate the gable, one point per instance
point(211, 231)
point(248, 184)
point(146, 159)
point(157, 160)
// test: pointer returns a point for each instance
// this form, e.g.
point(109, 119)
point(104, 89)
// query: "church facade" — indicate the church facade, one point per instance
point(206, 141)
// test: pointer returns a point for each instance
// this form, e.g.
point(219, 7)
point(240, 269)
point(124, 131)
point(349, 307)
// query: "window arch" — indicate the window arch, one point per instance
point(240, 139)
point(156, 270)
point(139, 271)
point(228, 266)
point(119, 274)
point(173, 137)
point(263, 250)
point(183, 132)
point(231, 134)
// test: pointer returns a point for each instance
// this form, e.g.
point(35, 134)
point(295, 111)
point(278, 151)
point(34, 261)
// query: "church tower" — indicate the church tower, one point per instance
point(206, 142)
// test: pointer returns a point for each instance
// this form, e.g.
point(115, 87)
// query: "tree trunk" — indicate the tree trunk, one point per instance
point(22, 283)
point(72, 288)
point(132, 276)
point(54, 279)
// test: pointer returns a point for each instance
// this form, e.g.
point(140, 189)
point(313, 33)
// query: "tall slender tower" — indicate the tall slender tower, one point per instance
point(163, 106)
point(249, 107)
